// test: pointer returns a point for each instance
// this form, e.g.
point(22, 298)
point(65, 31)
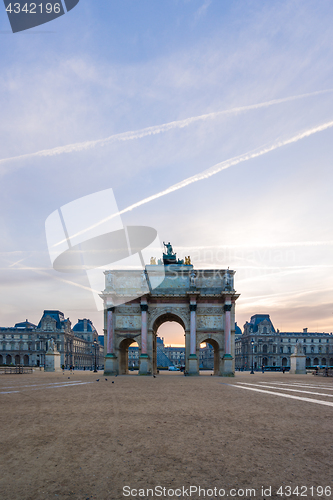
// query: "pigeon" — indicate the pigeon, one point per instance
point(113, 381)
point(106, 379)
point(154, 376)
point(97, 380)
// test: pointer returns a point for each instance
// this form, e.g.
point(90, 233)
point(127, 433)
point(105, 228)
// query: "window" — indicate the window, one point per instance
point(289, 350)
point(281, 350)
point(319, 340)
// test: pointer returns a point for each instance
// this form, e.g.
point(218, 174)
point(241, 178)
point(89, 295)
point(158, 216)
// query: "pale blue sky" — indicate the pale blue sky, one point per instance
point(110, 67)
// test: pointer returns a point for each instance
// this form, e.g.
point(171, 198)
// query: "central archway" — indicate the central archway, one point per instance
point(159, 351)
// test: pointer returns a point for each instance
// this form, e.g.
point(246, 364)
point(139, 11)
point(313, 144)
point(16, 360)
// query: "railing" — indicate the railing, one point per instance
point(15, 369)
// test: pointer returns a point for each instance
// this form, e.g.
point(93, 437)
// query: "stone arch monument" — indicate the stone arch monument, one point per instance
point(202, 301)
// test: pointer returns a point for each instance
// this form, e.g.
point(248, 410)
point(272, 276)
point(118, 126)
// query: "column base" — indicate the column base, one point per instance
point(111, 365)
point(193, 365)
point(143, 367)
point(227, 366)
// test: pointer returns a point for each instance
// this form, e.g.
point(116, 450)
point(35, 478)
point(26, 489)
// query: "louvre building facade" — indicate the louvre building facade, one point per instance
point(26, 343)
point(262, 345)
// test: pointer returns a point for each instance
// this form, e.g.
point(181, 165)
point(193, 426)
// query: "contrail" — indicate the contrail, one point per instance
point(224, 165)
point(211, 171)
point(157, 129)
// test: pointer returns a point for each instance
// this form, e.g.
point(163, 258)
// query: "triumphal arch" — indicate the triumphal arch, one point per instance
point(202, 301)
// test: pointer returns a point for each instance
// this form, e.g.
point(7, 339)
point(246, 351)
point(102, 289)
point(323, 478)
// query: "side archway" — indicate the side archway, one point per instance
point(217, 353)
point(123, 355)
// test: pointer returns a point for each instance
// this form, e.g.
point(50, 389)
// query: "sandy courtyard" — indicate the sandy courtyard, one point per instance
point(80, 439)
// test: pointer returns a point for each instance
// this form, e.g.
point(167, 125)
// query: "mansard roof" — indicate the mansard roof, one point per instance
point(238, 331)
point(25, 324)
point(58, 316)
point(256, 319)
point(84, 325)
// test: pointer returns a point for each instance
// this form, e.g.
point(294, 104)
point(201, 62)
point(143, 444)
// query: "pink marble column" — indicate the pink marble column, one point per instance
point(110, 332)
point(193, 326)
point(227, 326)
point(144, 327)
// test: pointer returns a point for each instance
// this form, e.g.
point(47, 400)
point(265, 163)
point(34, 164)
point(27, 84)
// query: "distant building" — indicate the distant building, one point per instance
point(175, 355)
point(272, 348)
point(26, 343)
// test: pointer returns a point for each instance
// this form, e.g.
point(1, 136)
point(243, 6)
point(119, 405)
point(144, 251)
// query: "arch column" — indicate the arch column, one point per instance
point(110, 366)
point(143, 360)
point(193, 365)
point(227, 357)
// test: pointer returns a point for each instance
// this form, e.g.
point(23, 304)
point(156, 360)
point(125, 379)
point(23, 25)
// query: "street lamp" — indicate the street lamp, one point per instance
point(95, 343)
point(252, 344)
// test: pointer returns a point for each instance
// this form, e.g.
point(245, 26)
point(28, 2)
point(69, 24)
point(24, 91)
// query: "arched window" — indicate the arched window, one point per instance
point(264, 330)
point(264, 349)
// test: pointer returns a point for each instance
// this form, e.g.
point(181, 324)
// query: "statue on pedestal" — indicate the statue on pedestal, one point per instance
point(298, 348)
point(192, 279)
point(170, 257)
point(51, 346)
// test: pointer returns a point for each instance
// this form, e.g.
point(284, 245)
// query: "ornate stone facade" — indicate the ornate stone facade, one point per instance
point(28, 344)
point(202, 301)
point(274, 349)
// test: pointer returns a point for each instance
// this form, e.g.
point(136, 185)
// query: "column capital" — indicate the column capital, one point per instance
point(193, 307)
point(144, 307)
point(227, 307)
point(110, 309)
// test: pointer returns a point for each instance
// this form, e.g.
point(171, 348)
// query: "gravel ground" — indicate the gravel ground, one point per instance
point(91, 439)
